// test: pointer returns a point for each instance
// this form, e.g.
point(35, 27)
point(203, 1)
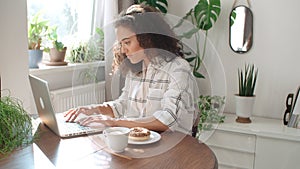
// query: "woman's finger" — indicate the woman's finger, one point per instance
point(69, 112)
point(72, 115)
point(104, 120)
point(88, 120)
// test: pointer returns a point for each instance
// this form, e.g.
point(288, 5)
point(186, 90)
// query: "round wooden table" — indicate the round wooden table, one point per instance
point(173, 150)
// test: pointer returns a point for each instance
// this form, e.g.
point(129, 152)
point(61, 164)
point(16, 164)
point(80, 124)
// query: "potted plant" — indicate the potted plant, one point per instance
point(78, 54)
point(56, 49)
point(209, 115)
point(15, 126)
point(37, 31)
point(245, 98)
point(203, 16)
point(88, 51)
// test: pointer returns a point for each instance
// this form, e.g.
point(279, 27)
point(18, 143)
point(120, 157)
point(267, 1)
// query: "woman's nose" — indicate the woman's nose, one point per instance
point(123, 49)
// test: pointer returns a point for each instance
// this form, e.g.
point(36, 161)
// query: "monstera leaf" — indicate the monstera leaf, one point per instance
point(206, 13)
point(162, 5)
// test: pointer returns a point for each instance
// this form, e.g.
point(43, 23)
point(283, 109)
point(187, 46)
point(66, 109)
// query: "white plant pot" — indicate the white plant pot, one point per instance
point(244, 108)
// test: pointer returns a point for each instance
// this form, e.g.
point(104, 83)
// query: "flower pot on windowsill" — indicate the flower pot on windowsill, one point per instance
point(57, 58)
point(57, 49)
point(35, 57)
point(244, 108)
point(37, 32)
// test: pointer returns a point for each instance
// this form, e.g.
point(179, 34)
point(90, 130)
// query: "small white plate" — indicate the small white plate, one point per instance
point(154, 137)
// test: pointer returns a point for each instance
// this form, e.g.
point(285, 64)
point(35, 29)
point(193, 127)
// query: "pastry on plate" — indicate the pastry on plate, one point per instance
point(139, 134)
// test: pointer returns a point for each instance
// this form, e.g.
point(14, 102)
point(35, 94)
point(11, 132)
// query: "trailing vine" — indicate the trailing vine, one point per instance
point(209, 107)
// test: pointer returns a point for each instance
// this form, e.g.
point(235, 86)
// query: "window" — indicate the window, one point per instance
point(78, 25)
point(73, 18)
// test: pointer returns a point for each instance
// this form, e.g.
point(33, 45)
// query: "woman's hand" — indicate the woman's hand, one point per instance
point(105, 120)
point(72, 114)
point(150, 123)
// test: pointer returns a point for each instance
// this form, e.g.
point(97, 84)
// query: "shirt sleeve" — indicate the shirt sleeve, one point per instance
point(119, 106)
point(178, 103)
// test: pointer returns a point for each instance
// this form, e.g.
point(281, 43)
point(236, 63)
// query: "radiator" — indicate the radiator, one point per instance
point(64, 99)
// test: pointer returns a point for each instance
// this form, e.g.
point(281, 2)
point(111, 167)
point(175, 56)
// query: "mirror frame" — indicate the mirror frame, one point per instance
point(247, 42)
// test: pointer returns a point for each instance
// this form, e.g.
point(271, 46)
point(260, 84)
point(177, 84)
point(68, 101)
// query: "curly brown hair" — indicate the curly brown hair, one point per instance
point(152, 32)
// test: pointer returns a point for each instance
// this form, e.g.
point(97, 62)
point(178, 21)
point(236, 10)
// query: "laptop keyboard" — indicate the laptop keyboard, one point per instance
point(71, 128)
point(74, 127)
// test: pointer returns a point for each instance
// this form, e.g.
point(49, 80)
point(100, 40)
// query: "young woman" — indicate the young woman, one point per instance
point(160, 90)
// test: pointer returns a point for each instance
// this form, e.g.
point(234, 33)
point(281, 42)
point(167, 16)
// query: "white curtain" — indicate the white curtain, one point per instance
point(106, 12)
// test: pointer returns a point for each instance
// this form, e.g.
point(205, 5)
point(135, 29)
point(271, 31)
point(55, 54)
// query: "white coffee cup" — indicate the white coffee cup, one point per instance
point(116, 138)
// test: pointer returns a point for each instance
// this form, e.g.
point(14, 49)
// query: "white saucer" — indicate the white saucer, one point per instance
point(48, 63)
point(154, 137)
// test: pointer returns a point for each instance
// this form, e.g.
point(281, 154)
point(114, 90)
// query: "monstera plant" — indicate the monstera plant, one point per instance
point(203, 16)
point(161, 5)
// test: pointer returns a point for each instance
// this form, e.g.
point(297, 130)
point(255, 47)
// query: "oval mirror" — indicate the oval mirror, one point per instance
point(241, 29)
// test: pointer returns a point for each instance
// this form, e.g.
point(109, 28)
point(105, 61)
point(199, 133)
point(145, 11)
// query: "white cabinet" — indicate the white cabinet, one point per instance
point(233, 150)
point(263, 144)
point(277, 153)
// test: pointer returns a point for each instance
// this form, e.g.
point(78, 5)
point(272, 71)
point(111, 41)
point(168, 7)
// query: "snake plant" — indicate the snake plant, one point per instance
point(247, 80)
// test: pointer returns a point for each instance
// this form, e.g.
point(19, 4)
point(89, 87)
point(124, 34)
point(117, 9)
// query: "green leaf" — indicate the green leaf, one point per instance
point(100, 32)
point(161, 5)
point(59, 45)
point(206, 12)
point(198, 75)
point(190, 59)
point(161, 8)
point(165, 2)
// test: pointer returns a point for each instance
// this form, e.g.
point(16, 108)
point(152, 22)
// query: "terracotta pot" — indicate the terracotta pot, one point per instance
point(57, 56)
point(244, 108)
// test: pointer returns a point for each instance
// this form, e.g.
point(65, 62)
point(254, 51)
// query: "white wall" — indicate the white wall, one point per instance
point(275, 51)
point(13, 47)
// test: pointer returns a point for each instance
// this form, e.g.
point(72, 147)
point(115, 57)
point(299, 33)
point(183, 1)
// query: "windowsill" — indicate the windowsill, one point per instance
point(60, 77)
point(44, 69)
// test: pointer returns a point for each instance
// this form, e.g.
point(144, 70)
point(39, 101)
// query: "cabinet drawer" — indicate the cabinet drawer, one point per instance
point(233, 159)
point(233, 140)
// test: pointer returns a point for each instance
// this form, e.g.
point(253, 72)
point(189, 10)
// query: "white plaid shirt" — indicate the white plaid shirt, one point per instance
point(166, 91)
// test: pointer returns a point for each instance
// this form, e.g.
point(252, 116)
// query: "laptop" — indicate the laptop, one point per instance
point(56, 121)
